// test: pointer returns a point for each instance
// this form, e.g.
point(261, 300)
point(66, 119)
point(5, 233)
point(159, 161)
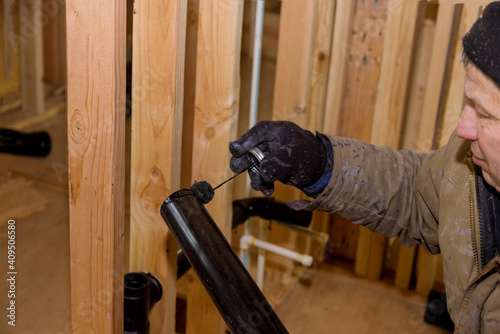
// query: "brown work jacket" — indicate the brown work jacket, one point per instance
point(427, 199)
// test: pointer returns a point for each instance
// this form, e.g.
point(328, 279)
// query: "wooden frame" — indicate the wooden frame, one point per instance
point(96, 145)
point(314, 88)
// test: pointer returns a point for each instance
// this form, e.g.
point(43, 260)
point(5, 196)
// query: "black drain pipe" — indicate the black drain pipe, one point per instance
point(232, 289)
point(142, 291)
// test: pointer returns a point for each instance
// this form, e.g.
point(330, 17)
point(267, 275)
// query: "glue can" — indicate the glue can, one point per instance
point(255, 156)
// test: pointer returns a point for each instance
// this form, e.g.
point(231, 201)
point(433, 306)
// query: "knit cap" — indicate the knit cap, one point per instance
point(482, 42)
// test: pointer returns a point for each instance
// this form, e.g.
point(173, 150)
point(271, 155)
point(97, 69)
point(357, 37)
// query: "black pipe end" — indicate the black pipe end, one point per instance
point(36, 144)
point(142, 291)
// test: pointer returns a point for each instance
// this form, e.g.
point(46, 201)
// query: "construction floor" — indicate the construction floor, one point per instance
point(333, 300)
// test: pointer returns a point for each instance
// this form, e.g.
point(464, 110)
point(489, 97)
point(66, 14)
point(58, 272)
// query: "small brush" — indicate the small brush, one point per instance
point(204, 191)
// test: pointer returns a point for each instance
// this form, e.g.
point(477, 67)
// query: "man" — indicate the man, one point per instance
point(447, 200)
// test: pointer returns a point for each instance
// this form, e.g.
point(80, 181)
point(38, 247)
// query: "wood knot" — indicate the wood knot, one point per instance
point(78, 126)
point(299, 110)
point(321, 56)
point(210, 132)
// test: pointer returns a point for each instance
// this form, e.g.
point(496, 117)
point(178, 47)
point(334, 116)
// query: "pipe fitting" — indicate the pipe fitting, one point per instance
point(248, 240)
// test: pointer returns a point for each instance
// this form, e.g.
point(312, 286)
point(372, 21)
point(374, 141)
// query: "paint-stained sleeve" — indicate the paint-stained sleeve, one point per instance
point(391, 192)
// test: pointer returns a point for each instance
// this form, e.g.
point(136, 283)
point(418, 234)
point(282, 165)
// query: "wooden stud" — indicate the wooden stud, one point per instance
point(292, 91)
point(344, 236)
point(391, 100)
point(9, 57)
point(96, 149)
point(419, 82)
point(31, 52)
point(344, 14)
point(321, 65)
point(51, 43)
point(364, 52)
point(63, 68)
point(433, 102)
point(437, 75)
point(295, 59)
point(406, 256)
point(159, 30)
point(317, 96)
point(394, 77)
point(215, 125)
point(189, 93)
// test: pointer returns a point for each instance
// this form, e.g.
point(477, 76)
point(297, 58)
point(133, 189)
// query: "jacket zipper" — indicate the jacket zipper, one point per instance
point(477, 255)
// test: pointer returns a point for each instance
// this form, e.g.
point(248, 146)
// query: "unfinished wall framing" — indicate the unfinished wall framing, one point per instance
point(364, 69)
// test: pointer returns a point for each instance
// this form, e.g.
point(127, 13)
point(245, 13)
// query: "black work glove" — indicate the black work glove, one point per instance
point(291, 155)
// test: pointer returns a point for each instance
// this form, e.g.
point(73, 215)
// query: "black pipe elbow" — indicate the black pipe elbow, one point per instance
point(268, 208)
point(36, 144)
point(142, 291)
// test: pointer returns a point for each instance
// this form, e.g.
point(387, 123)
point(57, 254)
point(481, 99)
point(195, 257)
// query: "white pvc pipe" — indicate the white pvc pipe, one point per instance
point(254, 91)
point(248, 240)
point(257, 48)
point(261, 259)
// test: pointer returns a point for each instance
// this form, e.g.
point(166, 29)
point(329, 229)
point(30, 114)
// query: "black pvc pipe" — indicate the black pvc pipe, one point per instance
point(233, 291)
point(270, 209)
point(142, 291)
point(263, 207)
point(36, 144)
point(183, 264)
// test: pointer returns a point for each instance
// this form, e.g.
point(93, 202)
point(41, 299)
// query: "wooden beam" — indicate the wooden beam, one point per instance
point(433, 103)
point(344, 14)
point(292, 89)
point(96, 154)
point(51, 42)
point(295, 59)
point(321, 64)
point(31, 52)
point(426, 30)
point(392, 87)
point(159, 30)
point(390, 105)
point(9, 58)
point(437, 76)
point(215, 125)
point(189, 92)
point(419, 82)
point(363, 54)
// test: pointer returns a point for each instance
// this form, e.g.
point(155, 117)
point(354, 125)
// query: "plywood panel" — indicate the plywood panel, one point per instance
point(157, 102)
point(96, 145)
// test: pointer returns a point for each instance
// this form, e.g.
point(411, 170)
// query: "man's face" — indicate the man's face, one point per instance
point(480, 123)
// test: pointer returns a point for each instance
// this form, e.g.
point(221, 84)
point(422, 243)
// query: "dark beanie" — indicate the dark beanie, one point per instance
point(482, 42)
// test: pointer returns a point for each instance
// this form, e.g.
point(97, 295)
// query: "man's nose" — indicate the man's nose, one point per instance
point(466, 127)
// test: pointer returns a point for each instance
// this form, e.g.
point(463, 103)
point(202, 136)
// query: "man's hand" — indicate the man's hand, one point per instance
point(291, 155)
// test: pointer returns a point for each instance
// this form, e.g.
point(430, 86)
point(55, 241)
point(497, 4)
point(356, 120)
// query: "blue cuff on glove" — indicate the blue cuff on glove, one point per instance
point(317, 188)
